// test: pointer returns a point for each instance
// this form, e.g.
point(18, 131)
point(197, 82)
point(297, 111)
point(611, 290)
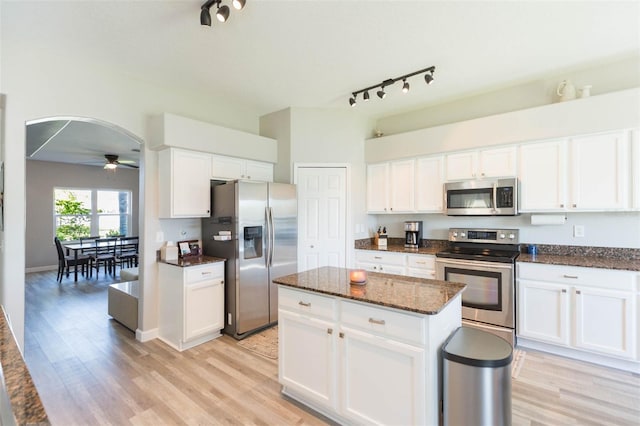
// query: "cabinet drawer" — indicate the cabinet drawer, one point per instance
point(306, 302)
point(380, 257)
point(193, 274)
point(385, 322)
point(595, 277)
point(421, 261)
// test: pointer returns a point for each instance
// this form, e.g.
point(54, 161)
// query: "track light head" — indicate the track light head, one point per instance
point(428, 78)
point(381, 93)
point(352, 101)
point(405, 86)
point(365, 96)
point(238, 4)
point(223, 13)
point(205, 16)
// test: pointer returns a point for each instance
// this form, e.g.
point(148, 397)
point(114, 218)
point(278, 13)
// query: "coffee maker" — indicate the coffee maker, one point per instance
point(412, 234)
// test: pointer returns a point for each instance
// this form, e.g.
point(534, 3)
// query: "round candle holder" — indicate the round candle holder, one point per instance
point(358, 277)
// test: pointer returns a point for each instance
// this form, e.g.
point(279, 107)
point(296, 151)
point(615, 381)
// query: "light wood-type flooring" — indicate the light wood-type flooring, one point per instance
point(90, 370)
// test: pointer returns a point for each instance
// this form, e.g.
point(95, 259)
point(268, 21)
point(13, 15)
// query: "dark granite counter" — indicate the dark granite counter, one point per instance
point(584, 261)
point(25, 402)
point(419, 295)
point(193, 261)
point(397, 245)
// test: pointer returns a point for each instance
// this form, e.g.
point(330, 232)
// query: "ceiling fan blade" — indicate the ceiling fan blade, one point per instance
point(133, 166)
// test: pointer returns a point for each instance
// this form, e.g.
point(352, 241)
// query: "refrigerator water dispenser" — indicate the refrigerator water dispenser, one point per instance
point(252, 242)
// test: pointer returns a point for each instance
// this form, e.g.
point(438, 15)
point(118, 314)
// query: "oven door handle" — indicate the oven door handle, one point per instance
point(473, 263)
point(495, 197)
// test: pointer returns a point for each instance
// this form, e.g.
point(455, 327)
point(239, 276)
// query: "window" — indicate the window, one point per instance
point(91, 212)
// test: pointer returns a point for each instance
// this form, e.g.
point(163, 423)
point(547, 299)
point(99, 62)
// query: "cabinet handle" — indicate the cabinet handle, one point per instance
point(301, 303)
point(578, 292)
point(564, 290)
point(385, 209)
point(381, 268)
point(376, 321)
point(205, 273)
point(575, 205)
point(562, 206)
point(377, 257)
point(329, 330)
point(421, 263)
point(391, 208)
point(248, 177)
point(481, 174)
point(573, 277)
point(311, 246)
point(341, 334)
point(221, 281)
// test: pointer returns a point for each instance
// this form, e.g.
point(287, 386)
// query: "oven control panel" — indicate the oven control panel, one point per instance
point(495, 236)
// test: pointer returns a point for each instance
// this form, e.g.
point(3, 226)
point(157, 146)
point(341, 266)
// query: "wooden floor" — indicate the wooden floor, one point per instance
point(90, 370)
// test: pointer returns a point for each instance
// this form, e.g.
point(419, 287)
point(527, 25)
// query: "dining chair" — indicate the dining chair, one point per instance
point(104, 253)
point(127, 253)
point(65, 262)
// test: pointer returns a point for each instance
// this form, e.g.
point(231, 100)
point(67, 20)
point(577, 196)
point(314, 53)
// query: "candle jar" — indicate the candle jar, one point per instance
point(358, 276)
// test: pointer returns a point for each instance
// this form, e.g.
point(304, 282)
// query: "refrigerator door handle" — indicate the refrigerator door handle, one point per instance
point(272, 235)
point(267, 243)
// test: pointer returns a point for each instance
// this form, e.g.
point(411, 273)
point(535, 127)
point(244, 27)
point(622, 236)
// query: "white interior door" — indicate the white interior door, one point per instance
point(322, 213)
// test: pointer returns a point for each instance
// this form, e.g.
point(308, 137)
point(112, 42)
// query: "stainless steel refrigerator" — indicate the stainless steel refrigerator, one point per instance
point(261, 219)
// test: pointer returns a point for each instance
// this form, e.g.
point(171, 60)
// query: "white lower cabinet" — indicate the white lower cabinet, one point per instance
point(378, 261)
point(359, 363)
point(587, 309)
point(191, 301)
point(421, 266)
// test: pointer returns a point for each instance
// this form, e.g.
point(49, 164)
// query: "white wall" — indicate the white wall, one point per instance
point(277, 125)
point(619, 74)
point(69, 86)
point(42, 177)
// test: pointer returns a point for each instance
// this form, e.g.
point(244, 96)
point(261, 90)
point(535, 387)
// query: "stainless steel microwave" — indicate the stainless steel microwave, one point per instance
point(487, 197)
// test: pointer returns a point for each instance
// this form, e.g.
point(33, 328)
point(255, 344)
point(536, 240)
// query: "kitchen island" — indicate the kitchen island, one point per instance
point(365, 353)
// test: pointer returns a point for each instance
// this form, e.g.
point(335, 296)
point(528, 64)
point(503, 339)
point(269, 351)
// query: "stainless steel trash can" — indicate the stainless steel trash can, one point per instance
point(476, 379)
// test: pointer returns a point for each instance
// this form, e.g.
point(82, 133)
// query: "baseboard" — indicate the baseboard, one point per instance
point(607, 361)
point(145, 336)
point(41, 268)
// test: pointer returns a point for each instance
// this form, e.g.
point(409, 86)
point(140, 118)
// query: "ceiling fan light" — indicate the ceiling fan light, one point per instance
point(205, 17)
point(223, 13)
point(239, 4)
point(110, 166)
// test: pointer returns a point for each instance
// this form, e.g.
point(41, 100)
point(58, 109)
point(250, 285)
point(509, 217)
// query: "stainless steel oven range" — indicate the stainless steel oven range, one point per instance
point(484, 260)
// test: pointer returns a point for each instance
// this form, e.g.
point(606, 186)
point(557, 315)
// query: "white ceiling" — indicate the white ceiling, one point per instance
point(314, 53)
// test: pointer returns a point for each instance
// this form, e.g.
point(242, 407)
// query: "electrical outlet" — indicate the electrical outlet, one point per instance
point(159, 237)
point(578, 231)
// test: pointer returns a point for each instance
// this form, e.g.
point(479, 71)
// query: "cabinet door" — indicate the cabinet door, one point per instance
point(191, 187)
point(256, 170)
point(383, 381)
point(599, 172)
point(498, 162)
point(543, 176)
point(377, 187)
point(203, 308)
point(401, 194)
point(605, 321)
point(543, 312)
point(635, 168)
point(307, 357)
point(429, 182)
point(462, 165)
point(226, 167)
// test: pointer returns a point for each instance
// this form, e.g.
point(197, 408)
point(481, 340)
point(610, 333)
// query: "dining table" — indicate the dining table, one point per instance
point(79, 247)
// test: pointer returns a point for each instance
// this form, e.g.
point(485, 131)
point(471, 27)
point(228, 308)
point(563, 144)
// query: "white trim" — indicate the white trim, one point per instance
point(349, 240)
point(145, 336)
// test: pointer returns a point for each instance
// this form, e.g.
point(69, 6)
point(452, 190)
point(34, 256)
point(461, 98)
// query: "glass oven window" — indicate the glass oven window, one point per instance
point(470, 199)
point(484, 288)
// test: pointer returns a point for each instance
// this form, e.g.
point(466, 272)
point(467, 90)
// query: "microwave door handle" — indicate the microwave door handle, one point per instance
point(495, 197)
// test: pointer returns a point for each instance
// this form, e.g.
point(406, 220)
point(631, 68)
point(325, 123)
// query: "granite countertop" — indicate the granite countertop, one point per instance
point(420, 295)
point(584, 261)
point(25, 402)
point(397, 248)
point(193, 261)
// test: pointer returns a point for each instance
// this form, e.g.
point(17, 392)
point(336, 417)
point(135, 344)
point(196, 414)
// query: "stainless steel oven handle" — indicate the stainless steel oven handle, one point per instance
point(495, 197)
point(472, 263)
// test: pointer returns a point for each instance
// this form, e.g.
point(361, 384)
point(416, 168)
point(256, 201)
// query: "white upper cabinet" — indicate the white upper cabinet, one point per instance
point(599, 172)
point(390, 187)
point(584, 173)
point(429, 196)
point(542, 176)
point(486, 163)
point(183, 183)
point(229, 168)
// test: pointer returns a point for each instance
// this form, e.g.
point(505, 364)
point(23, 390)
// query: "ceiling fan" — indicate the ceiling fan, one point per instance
point(112, 162)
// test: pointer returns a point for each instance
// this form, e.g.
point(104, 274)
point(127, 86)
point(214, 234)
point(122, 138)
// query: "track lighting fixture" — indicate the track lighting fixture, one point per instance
point(222, 12)
point(428, 78)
